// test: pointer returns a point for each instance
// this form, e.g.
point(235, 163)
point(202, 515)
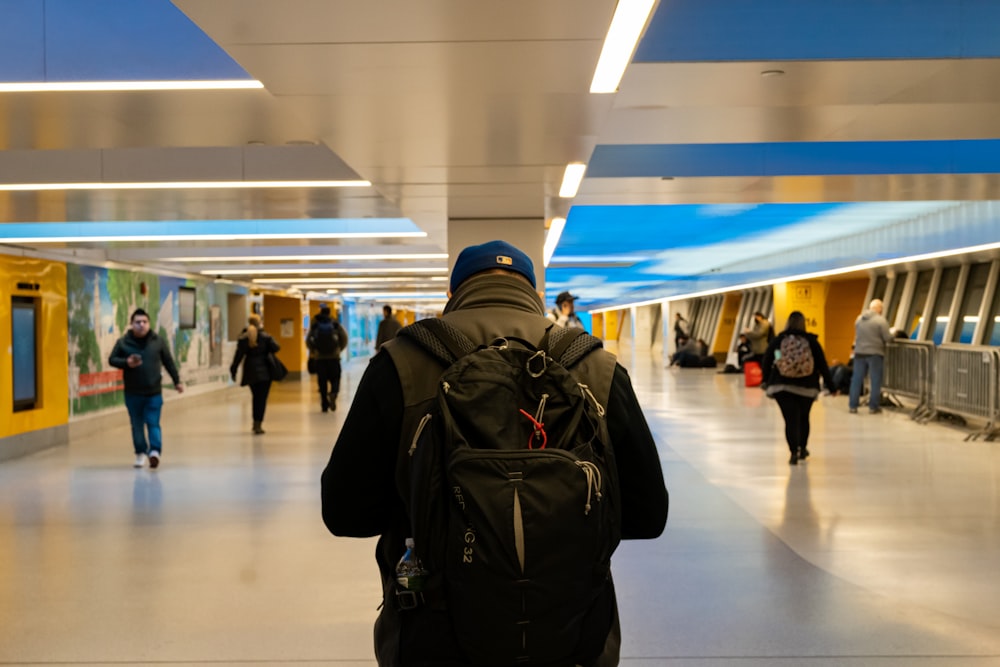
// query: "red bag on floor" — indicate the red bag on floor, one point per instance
point(752, 375)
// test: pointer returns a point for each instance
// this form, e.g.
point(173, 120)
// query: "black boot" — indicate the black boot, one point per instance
point(257, 430)
point(794, 460)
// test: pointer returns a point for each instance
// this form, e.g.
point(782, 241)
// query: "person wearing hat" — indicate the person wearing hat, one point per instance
point(491, 295)
point(563, 314)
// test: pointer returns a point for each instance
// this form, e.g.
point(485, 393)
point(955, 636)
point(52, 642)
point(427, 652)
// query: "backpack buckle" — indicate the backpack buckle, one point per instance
point(409, 599)
point(543, 360)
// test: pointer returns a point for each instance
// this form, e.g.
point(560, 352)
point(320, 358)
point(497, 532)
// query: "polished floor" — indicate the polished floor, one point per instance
point(883, 549)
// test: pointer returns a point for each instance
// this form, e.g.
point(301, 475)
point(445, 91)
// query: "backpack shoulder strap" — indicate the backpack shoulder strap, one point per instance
point(568, 346)
point(439, 339)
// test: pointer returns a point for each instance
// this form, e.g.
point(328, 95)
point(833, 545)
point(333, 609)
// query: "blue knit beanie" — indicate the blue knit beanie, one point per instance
point(491, 255)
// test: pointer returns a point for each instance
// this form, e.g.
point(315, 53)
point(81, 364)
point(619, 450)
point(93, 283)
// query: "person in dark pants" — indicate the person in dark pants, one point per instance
point(793, 372)
point(252, 350)
point(326, 341)
point(492, 294)
point(142, 356)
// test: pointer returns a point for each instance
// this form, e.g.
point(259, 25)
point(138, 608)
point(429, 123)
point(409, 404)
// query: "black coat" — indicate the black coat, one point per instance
point(255, 366)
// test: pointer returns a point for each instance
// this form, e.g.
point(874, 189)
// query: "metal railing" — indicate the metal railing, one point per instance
point(909, 372)
point(965, 382)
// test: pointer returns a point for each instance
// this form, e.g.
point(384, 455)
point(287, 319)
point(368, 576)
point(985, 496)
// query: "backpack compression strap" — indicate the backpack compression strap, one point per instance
point(447, 344)
point(439, 339)
point(568, 346)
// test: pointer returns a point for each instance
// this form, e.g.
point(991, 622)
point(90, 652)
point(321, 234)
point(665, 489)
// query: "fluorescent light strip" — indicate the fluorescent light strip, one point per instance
point(808, 276)
point(552, 239)
point(364, 286)
point(572, 177)
point(619, 44)
point(314, 258)
point(437, 296)
point(211, 237)
point(112, 86)
point(179, 185)
point(305, 271)
point(337, 281)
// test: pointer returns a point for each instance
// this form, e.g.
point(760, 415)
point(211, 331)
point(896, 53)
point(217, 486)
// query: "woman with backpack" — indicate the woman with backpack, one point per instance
point(252, 350)
point(793, 365)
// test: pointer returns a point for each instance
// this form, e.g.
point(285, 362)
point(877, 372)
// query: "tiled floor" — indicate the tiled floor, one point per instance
point(883, 549)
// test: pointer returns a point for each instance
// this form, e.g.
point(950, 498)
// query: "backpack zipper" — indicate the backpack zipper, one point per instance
point(420, 429)
point(593, 474)
point(588, 394)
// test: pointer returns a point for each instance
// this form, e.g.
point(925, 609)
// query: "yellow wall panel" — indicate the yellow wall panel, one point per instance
point(843, 305)
point(52, 408)
point(727, 323)
point(805, 296)
point(283, 320)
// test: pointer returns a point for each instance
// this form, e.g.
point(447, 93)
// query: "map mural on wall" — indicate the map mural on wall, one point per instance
point(100, 302)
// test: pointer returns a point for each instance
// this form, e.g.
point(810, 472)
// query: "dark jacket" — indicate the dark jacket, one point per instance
point(359, 492)
point(778, 382)
point(311, 338)
point(387, 330)
point(144, 380)
point(255, 366)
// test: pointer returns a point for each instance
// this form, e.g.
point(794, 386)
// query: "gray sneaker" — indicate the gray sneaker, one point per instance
point(154, 459)
point(140, 461)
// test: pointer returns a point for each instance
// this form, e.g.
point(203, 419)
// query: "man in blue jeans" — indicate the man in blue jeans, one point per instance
point(142, 356)
point(871, 333)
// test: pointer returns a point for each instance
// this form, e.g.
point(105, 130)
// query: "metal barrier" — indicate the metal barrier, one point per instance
point(909, 372)
point(965, 383)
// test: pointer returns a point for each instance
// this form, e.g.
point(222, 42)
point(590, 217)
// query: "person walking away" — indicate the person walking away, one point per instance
point(760, 335)
point(871, 333)
point(794, 363)
point(142, 356)
point(252, 350)
point(387, 328)
point(563, 314)
point(326, 341)
point(365, 486)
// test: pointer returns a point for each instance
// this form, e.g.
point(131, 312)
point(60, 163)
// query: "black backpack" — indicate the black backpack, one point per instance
point(513, 497)
point(325, 337)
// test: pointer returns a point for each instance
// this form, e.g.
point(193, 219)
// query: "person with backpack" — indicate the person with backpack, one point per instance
point(500, 459)
point(793, 365)
point(326, 341)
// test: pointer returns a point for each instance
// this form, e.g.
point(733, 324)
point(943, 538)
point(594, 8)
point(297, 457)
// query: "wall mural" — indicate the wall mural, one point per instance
point(100, 302)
